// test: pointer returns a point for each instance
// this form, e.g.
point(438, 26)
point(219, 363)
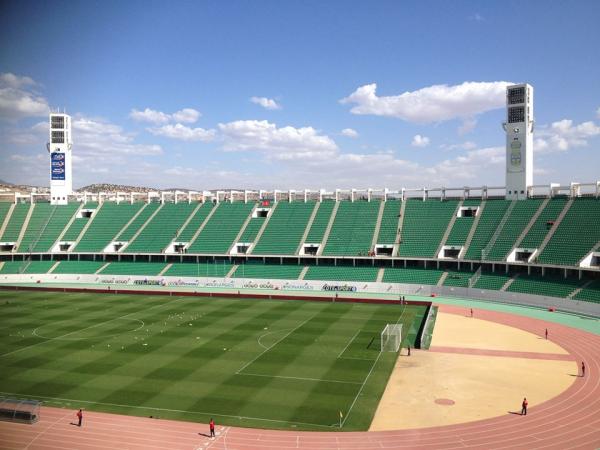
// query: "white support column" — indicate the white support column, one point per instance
point(369, 194)
point(337, 195)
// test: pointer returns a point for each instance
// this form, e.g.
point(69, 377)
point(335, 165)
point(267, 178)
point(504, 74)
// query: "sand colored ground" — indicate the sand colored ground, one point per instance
point(481, 386)
point(453, 330)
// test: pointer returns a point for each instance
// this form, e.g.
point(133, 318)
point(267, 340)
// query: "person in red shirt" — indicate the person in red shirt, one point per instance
point(524, 407)
point(79, 417)
point(212, 428)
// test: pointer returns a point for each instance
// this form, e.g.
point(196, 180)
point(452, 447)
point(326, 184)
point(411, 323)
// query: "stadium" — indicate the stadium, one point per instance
point(308, 225)
point(346, 318)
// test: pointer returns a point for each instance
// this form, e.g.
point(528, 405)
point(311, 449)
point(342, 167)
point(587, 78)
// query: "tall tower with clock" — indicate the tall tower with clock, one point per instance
point(519, 140)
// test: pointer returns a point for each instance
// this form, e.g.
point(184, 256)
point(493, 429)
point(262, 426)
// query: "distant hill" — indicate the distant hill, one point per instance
point(108, 187)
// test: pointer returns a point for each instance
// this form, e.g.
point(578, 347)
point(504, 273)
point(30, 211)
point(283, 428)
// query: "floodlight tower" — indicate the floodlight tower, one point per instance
point(59, 147)
point(519, 140)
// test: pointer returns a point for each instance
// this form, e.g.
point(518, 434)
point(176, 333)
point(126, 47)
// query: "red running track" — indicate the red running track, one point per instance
point(569, 421)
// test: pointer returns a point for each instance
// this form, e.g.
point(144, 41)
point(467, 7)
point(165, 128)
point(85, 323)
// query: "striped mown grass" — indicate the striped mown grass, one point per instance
point(254, 363)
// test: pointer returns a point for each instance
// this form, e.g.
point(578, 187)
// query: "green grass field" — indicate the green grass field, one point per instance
point(254, 363)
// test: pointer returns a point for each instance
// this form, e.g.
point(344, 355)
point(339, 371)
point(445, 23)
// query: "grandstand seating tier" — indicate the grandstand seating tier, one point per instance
point(74, 230)
point(195, 222)
point(133, 268)
point(204, 269)
point(130, 230)
point(274, 271)
point(341, 273)
point(352, 230)
point(106, 225)
point(285, 229)
point(320, 222)
point(575, 236)
point(490, 217)
point(15, 223)
point(162, 229)
point(389, 223)
point(424, 225)
point(78, 267)
point(411, 275)
point(223, 226)
point(514, 226)
point(45, 225)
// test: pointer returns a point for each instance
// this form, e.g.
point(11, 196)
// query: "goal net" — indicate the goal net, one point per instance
point(391, 337)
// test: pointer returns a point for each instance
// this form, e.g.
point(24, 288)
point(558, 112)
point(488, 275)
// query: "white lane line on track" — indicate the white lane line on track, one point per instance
point(61, 418)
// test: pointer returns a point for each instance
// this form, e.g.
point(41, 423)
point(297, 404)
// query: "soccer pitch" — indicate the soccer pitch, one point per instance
point(245, 362)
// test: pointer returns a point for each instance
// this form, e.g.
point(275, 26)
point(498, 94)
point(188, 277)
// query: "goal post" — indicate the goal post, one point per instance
point(391, 337)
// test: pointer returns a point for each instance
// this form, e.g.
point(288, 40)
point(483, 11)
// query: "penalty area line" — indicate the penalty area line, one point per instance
point(275, 343)
point(350, 342)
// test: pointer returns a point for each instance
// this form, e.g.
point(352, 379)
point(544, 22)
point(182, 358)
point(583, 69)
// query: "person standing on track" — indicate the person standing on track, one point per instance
point(471, 312)
point(546, 333)
point(79, 417)
point(211, 425)
point(582, 369)
point(524, 407)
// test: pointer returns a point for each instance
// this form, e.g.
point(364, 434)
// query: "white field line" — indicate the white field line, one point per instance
point(268, 333)
point(275, 343)
point(357, 359)
point(165, 409)
point(60, 419)
point(298, 378)
point(360, 390)
point(350, 342)
point(35, 332)
point(87, 328)
point(368, 375)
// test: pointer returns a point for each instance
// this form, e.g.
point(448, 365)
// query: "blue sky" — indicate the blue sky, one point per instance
point(272, 94)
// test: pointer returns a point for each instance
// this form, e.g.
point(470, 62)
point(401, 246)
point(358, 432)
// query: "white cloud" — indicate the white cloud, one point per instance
point(349, 132)
point(419, 141)
point(267, 103)
point(185, 115)
point(18, 98)
point(435, 103)
point(285, 143)
point(183, 132)
point(562, 135)
point(97, 137)
point(467, 126)
point(477, 17)
point(467, 145)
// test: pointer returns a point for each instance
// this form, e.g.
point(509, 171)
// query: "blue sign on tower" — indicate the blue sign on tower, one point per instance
point(57, 166)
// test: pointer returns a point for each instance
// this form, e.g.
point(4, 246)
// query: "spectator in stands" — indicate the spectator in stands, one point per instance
point(524, 407)
point(79, 417)
point(582, 369)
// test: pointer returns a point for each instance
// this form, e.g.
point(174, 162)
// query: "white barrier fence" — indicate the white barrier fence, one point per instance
point(305, 286)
